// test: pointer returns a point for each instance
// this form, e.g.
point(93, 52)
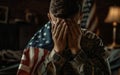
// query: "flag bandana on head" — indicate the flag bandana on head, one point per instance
point(43, 38)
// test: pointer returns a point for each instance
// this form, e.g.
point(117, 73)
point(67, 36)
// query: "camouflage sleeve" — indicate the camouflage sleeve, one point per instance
point(66, 64)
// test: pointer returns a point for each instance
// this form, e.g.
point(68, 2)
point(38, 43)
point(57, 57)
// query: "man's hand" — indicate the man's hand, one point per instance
point(74, 36)
point(59, 32)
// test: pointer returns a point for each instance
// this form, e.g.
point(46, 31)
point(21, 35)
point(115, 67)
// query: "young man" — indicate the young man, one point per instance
point(62, 47)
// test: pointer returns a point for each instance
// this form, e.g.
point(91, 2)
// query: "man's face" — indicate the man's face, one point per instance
point(54, 19)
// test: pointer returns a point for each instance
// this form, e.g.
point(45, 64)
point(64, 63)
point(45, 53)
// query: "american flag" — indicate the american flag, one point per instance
point(36, 51)
point(43, 38)
point(89, 17)
point(31, 59)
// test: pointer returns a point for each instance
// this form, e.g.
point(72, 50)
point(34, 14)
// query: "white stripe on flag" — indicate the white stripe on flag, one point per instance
point(24, 68)
point(31, 55)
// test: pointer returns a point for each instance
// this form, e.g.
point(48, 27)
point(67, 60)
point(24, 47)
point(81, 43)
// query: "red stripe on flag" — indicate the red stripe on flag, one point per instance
point(36, 54)
point(27, 58)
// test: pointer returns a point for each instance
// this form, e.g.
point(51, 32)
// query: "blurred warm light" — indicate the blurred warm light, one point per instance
point(114, 18)
point(113, 15)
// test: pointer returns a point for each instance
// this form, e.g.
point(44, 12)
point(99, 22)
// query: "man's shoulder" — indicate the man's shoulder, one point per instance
point(90, 39)
point(88, 34)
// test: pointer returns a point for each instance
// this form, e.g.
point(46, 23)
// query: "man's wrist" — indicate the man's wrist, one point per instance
point(75, 50)
point(55, 57)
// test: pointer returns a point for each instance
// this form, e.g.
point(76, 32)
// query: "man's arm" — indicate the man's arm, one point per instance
point(92, 53)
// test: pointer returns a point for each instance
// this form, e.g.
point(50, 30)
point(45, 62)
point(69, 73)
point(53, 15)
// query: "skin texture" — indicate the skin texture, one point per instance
point(65, 32)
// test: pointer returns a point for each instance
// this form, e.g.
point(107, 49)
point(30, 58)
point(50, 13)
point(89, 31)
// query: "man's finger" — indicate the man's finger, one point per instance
point(56, 25)
point(76, 26)
point(63, 32)
point(72, 29)
point(58, 29)
point(52, 29)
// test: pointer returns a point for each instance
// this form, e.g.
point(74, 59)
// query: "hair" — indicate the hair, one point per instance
point(65, 8)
